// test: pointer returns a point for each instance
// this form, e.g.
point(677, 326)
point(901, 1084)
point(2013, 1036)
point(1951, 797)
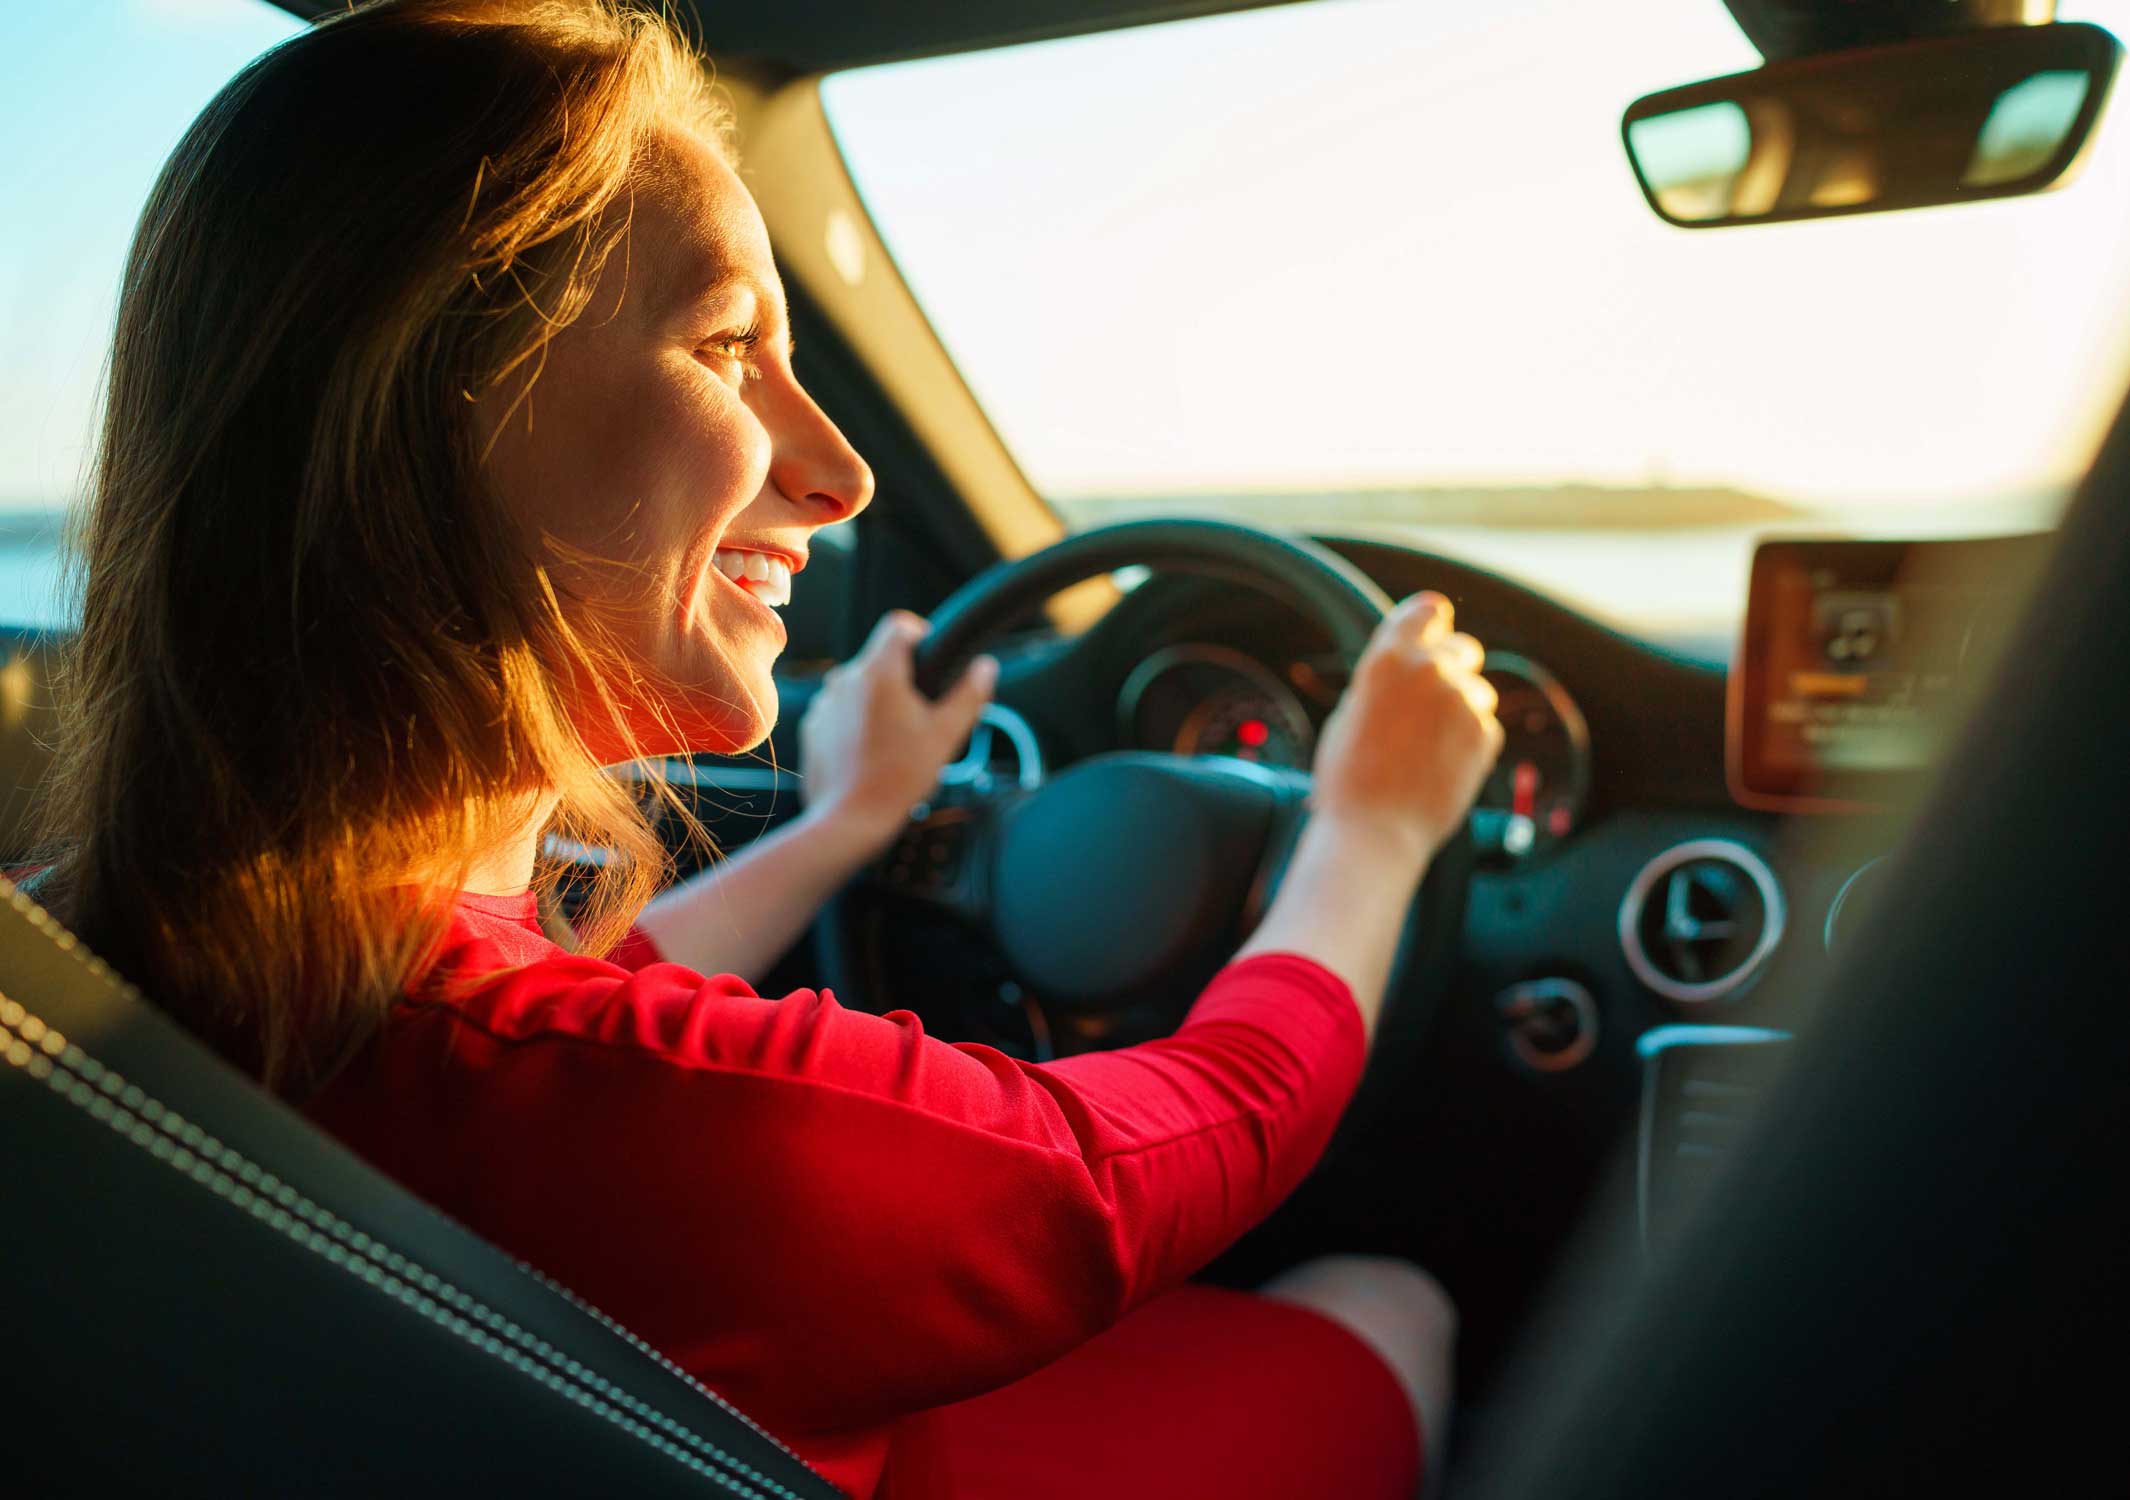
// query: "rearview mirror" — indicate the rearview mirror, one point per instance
point(1978, 114)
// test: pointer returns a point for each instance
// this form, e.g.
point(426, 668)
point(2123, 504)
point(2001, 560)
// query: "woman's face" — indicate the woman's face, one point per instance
point(673, 464)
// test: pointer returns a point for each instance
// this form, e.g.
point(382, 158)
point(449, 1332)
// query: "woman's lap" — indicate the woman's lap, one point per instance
point(1203, 1391)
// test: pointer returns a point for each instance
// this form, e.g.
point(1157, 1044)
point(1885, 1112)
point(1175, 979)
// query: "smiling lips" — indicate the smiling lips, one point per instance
point(766, 577)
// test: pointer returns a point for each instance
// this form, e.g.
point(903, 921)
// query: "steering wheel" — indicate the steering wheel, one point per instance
point(1115, 890)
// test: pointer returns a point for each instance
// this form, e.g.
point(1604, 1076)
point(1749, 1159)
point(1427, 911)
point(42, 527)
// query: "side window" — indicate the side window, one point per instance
point(98, 92)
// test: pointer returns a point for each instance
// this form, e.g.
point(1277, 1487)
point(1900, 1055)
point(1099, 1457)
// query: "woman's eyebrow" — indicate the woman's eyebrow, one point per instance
point(715, 286)
point(701, 284)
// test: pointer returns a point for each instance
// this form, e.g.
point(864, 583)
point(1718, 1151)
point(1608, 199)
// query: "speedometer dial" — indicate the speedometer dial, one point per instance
point(1534, 796)
point(1214, 700)
point(1250, 725)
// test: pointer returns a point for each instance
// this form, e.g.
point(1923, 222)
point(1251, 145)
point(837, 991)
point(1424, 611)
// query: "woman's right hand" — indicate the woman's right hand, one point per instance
point(1404, 753)
point(871, 744)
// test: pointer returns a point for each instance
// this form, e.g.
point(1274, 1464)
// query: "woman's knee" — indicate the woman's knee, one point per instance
point(1382, 1289)
point(1398, 1310)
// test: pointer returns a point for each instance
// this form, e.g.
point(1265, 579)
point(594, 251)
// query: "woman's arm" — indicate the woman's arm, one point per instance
point(830, 1216)
point(1343, 902)
point(1397, 768)
point(871, 745)
point(742, 914)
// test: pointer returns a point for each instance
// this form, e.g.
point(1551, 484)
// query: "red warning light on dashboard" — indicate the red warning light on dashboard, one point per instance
point(1523, 789)
point(1252, 732)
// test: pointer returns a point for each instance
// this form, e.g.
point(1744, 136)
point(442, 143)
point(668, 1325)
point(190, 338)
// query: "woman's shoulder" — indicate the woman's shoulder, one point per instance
point(501, 971)
point(500, 984)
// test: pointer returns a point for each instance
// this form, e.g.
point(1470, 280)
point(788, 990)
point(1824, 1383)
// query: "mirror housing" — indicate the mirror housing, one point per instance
point(1991, 113)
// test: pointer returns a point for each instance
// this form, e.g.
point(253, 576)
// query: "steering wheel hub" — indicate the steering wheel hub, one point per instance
point(1128, 878)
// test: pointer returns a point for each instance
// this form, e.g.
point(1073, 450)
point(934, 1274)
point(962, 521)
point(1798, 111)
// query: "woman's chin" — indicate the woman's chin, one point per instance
point(730, 718)
point(720, 725)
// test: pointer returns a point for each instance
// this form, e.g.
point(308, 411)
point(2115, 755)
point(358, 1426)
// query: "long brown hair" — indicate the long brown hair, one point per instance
point(318, 668)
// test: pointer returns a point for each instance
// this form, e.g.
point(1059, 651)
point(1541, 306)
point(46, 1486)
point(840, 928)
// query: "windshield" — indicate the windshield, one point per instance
point(1365, 265)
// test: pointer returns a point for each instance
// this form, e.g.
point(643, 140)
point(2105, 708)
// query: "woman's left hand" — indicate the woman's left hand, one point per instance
point(871, 745)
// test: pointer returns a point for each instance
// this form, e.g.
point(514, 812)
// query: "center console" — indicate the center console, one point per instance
point(1858, 663)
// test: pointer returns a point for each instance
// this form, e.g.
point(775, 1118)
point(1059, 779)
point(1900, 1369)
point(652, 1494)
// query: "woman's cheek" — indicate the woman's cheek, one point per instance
point(742, 450)
point(717, 457)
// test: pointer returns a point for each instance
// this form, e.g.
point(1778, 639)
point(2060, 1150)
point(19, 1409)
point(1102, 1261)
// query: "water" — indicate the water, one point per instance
point(29, 585)
point(1685, 588)
point(1682, 588)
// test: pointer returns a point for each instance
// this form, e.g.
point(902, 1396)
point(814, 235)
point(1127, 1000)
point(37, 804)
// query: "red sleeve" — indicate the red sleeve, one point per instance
point(827, 1215)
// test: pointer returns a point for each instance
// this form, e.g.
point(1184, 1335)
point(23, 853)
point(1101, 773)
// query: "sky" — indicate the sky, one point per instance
point(98, 91)
point(1346, 243)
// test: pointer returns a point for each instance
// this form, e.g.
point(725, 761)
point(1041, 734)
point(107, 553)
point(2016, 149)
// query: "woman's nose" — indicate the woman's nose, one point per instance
point(814, 466)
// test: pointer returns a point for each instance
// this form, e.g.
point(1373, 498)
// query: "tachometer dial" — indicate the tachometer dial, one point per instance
point(1534, 797)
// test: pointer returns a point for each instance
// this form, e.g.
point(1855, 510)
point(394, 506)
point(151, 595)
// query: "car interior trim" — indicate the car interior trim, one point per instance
point(1842, 897)
point(974, 766)
point(1660, 1039)
point(717, 775)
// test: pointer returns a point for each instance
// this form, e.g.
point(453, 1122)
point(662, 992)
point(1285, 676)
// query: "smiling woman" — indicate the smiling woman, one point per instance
point(236, 614)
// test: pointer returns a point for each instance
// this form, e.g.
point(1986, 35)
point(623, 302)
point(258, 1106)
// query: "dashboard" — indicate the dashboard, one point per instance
point(1620, 900)
point(1617, 885)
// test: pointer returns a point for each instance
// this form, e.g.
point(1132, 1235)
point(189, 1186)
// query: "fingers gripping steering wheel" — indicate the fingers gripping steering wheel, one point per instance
point(1115, 890)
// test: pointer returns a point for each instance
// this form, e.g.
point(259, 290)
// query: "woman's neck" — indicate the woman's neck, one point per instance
point(505, 868)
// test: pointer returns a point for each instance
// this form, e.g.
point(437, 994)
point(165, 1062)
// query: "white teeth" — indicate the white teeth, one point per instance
point(774, 586)
point(767, 578)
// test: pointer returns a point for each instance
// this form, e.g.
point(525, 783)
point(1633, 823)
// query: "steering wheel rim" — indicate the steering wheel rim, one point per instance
point(1316, 580)
point(1311, 578)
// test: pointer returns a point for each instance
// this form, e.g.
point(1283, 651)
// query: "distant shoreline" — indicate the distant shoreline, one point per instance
point(1570, 507)
point(1558, 508)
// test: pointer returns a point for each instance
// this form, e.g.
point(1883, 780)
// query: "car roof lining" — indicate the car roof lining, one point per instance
point(820, 36)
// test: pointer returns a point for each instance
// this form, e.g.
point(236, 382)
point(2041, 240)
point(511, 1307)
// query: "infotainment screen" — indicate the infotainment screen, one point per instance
point(1859, 659)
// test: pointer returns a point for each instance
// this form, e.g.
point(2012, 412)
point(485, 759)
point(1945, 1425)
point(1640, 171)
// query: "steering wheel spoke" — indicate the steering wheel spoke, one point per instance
point(942, 858)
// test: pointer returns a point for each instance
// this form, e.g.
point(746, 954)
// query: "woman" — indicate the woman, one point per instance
point(453, 452)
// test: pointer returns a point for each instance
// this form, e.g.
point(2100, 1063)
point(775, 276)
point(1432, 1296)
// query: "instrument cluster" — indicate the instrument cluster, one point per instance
point(1201, 699)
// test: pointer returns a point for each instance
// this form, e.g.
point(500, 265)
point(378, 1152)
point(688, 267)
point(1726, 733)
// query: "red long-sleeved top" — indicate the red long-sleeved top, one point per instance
point(829, 1217)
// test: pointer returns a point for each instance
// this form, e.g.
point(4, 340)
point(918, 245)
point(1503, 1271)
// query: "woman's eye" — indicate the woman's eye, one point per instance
point(736, 349)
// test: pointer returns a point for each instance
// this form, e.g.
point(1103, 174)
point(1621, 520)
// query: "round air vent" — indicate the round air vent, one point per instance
point(1700, 920)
